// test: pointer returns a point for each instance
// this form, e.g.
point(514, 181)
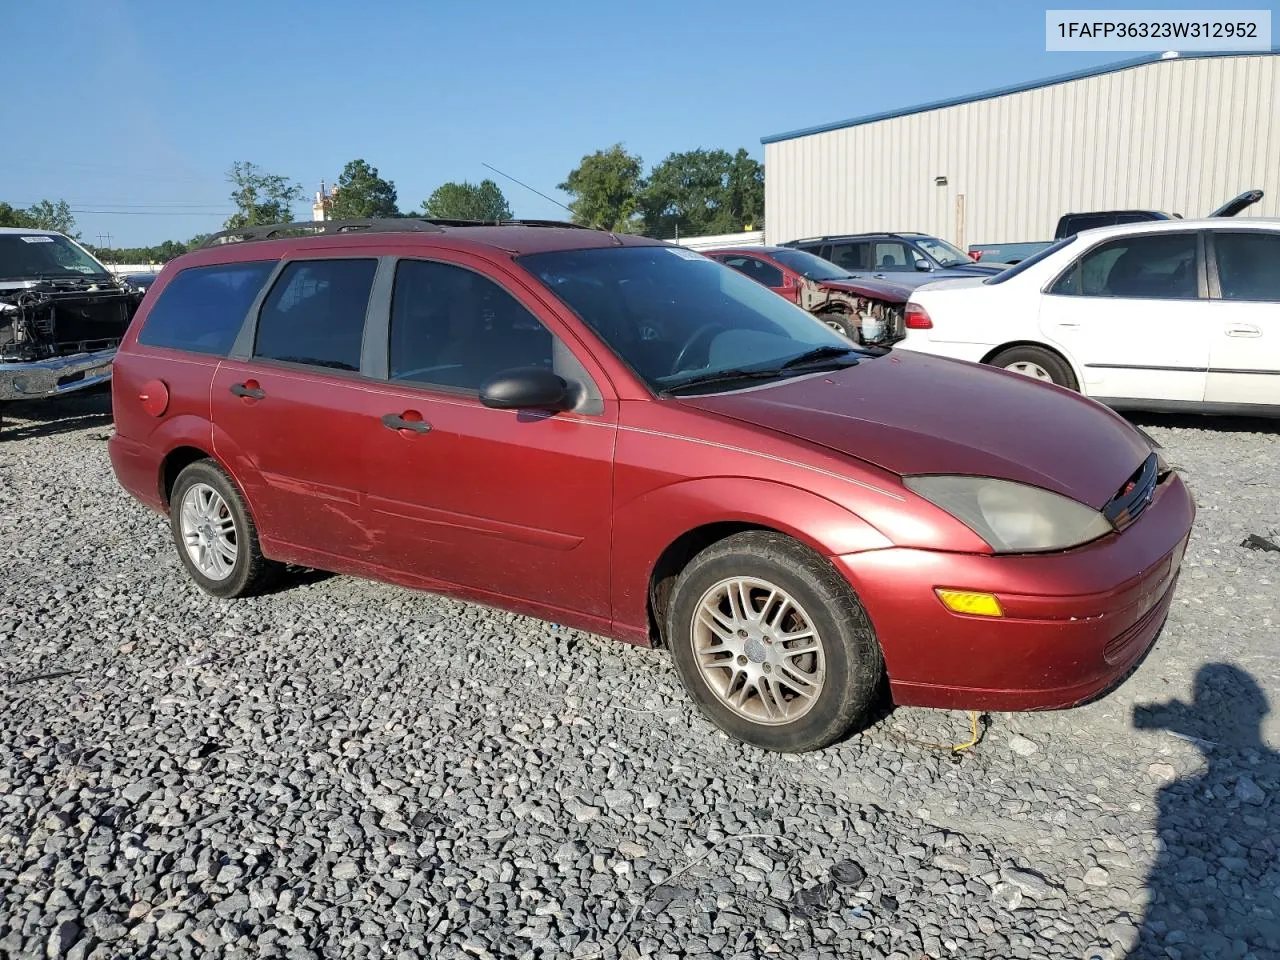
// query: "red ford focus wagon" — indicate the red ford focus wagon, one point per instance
point(629, 438)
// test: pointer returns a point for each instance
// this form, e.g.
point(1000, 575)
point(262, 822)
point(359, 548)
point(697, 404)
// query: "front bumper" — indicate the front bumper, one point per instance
point(1076, 623)
point(55, 376)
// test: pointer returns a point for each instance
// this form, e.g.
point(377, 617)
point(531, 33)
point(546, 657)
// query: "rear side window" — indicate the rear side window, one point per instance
point(757, 270)
point(202, 308)
point(851, 256)
point(1155, 266)
point(1248, 265)
point(315, 313)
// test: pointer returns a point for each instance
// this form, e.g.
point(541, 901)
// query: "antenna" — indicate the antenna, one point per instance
point(526, 186)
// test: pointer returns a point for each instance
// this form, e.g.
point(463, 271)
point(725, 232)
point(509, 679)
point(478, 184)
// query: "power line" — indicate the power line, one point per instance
point(525, 185)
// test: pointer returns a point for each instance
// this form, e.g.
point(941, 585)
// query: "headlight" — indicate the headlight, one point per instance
point(1013, 517)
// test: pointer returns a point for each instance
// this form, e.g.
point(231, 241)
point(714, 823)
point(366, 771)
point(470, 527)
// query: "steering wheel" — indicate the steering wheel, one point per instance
point(678, 363)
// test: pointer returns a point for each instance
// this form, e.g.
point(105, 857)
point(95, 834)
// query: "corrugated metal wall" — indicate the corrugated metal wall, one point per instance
point(1179, 135)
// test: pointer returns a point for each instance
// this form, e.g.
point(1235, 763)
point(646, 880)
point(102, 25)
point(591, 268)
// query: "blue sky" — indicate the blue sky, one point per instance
point(140, 107)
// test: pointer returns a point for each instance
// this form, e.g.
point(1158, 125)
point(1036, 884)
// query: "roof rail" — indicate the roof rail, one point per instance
point(317, 228)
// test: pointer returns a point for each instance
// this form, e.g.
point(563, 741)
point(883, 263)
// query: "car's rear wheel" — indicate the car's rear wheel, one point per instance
point(1037, 363)
point(215, 535)
point(772, 644)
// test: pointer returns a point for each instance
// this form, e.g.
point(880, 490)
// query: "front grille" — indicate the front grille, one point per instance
point(1135, 496)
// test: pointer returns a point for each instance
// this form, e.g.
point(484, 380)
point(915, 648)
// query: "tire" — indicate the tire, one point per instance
point(842, 323)
point(249, 572)
point(848, 664)
point(1039, 359)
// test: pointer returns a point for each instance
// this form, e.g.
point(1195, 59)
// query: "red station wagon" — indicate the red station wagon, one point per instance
point(627, 437)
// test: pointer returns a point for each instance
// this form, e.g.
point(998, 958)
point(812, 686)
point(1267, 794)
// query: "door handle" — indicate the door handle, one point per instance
point(1244, 330)
point(409, 420)
point(249, 390)
point(1066, 323)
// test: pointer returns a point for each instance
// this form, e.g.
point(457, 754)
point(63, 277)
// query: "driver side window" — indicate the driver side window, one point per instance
point(453, 328)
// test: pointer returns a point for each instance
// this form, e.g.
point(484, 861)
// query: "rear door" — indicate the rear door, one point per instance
point(290, 408)
point(1243, 317)
point(509, 504)
point(188, 329)
point(1131, 313)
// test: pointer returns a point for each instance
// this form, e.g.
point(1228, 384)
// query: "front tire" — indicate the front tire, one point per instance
point(215, 535)
point(1037, 363)
point(842, 323)
point(772, 644)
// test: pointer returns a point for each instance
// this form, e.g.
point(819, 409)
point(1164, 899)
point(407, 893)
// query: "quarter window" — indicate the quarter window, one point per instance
point(315, 313)
point(202, 308)
point(451, 327)
point(1158, 266)
point(1248, 265)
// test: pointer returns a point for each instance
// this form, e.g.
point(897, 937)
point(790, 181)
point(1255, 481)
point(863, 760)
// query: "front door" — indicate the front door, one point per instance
point(1131, 312)
point(513, 504)
point(1243, 318)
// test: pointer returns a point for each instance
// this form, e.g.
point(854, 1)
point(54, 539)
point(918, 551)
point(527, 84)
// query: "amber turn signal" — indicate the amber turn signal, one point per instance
point(971, 603)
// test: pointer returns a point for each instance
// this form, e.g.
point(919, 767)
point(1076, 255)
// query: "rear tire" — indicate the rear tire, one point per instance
point(1037, 363)
point(772, 644)
point(215, 535)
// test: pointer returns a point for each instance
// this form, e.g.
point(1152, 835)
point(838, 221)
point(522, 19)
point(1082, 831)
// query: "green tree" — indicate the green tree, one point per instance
point(467, 201)
point(260, 197)
point(53, 215)
point(11, 216)
point(605, 188)
point(362, 193)
point(702, 192)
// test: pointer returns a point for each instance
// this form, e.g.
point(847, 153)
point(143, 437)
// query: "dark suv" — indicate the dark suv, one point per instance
point(906, 258)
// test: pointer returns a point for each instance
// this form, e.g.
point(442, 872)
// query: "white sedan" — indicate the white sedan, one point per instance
point(1167, 315)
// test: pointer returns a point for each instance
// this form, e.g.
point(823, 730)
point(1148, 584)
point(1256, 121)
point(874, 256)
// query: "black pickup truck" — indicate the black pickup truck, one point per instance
point(1072, 223)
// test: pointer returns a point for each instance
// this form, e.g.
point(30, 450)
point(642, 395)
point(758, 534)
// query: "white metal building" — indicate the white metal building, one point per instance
point(1180, 134)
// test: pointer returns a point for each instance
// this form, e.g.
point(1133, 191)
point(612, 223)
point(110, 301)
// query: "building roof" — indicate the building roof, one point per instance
point(1015, 88)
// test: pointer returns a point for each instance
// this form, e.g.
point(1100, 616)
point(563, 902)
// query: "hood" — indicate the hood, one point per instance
point(878, 289)
point(911, 413)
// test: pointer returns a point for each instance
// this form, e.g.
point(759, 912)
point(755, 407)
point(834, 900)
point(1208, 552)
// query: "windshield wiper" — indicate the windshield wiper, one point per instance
point(721, 376)
point(827, 352)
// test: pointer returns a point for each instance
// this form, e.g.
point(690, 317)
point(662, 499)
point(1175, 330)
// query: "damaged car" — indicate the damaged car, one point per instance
point(868, 312)
point(62, 314)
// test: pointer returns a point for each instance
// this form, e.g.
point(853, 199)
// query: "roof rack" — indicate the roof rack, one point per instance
point(317, 228)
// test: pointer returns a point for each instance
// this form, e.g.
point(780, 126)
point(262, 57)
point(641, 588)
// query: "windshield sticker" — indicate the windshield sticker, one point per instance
point(37, 239)
point(684, 254)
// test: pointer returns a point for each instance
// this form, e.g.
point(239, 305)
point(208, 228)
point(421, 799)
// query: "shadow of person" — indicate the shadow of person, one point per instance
point(1215, 885)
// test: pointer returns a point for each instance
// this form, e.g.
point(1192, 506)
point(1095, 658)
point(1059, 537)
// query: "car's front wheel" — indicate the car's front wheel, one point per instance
point(215, 535)
point(1037, 363)
point(772, 644)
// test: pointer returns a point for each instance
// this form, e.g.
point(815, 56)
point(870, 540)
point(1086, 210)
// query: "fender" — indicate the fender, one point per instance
point(645, 526)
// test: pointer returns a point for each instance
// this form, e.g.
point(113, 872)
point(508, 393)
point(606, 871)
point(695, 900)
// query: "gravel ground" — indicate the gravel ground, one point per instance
point(350, 769)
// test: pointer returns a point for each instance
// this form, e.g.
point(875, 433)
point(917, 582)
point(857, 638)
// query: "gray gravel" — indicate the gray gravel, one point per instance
point(347, 769)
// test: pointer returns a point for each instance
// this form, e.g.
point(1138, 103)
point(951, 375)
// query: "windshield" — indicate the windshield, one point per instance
point(1031, 261)
point(36, 256)
point(675, 317)
point(943, 252)
point(809, 266)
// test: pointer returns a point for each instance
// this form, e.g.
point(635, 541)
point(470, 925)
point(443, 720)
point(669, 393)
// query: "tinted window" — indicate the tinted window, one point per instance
point(1248, 265)
point(28, 256)
point(202, 308)
point(1152, 266)
point(757, 270)
point(315, 313)
point(454, 328)
point(851, 256)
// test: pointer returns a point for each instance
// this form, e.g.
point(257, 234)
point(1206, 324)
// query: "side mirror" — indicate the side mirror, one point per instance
point(924, 266)
point(525, 388)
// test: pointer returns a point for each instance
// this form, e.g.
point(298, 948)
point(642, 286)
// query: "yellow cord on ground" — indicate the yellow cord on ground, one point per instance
point(973, 734)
